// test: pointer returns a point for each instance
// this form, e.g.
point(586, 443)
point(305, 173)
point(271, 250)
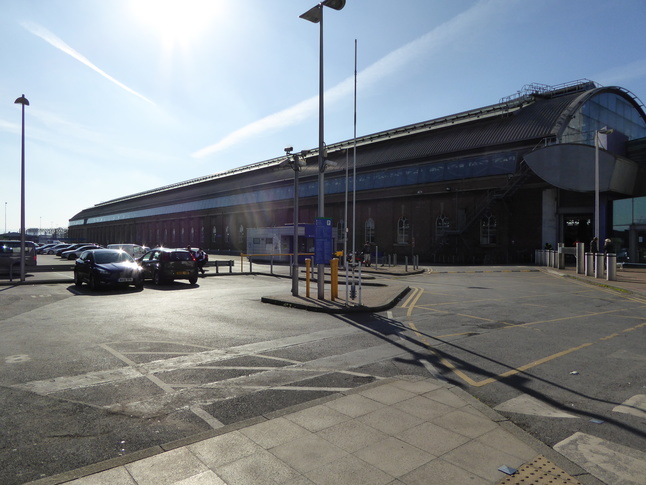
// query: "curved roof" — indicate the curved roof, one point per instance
point(522, 121)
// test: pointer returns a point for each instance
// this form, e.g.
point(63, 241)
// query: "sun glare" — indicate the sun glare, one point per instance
point(176, 22)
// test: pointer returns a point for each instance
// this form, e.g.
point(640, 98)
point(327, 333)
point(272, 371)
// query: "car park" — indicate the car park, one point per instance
point(164, 265)
point(75, 253)
point(107, 267)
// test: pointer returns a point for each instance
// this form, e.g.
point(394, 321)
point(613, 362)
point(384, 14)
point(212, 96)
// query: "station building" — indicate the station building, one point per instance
point(484, 186)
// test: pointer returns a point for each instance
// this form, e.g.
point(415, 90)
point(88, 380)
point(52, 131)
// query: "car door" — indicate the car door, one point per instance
point(149, 263)
point(84, 265)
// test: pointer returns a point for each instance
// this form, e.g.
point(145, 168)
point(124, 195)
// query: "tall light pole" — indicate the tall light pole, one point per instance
point(315, 15)
point(296, 163)
point(602, 131)
point(24, 102)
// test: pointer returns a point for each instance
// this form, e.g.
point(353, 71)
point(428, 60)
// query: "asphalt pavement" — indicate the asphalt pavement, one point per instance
point(406, 430)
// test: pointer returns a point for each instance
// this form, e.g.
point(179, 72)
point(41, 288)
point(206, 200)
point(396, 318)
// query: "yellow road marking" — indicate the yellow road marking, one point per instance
point(449, 365)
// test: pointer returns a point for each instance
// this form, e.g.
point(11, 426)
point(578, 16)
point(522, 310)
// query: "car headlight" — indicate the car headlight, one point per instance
point(102, 271)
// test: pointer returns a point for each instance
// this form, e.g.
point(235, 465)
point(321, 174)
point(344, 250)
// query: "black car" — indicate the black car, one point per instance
point(165, 265)
point(111, 267)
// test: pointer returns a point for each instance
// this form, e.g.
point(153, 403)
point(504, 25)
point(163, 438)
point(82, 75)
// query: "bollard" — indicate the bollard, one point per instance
point(307, 277)
point(406, 263)
point(589, 264)
point(598, 265)
point(334, 277)
point(580, 258)
point(611, 265)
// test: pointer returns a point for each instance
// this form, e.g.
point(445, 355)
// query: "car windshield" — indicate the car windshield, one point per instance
point(181, 256)
point(104, 257)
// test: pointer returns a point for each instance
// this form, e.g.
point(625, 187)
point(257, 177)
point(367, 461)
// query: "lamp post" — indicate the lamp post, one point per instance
point(315, 15)
point(602, 131)
point(296, 163)
point(24, 102)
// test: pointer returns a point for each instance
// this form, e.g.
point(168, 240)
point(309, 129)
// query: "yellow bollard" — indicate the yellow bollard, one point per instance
point(334, 276)
point(307, 277)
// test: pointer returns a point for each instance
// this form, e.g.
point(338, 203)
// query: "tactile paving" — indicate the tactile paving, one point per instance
point(539, 471)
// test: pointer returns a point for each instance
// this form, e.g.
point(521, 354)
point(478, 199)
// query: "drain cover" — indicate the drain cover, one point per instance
point(539, 471)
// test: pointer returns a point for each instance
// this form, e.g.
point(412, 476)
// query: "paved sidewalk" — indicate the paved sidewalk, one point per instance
point(406, 431)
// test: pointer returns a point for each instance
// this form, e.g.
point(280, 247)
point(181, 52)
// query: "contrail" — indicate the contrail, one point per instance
point(485, 12)
point(55, 41)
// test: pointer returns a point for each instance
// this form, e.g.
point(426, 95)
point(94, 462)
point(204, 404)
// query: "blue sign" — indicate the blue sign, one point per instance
point(323, 241)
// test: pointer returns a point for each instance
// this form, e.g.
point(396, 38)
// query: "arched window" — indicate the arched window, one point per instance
point(369, 230)
point(403, 229)
point(488, 228)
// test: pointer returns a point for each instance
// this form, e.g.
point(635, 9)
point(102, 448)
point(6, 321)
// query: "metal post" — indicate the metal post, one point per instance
point(598, 267)
point(580, 258)
point(589, 264)
point(24, 102)
point(611, 265)
point(296, 168)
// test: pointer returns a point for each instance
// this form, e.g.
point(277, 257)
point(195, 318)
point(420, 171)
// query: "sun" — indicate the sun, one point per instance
point(178, 23)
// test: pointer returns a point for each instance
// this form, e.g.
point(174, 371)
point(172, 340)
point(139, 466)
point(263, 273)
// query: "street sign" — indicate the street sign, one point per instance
point(323, 241)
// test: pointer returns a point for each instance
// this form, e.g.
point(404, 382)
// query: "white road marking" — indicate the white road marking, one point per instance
point(525, 404)
point(636, 406)
point(609, 462)
point(206, 417)
point(432, 370)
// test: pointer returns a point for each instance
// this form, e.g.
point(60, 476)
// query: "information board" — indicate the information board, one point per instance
point(323, 241)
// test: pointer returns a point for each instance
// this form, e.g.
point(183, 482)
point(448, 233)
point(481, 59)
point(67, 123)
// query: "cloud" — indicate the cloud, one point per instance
point(622, 74)
point(469, 22)
point(55, 41)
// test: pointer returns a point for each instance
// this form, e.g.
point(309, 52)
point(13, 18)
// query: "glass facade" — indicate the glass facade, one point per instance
point(629, 229)
point(604, 110)
point(628, 212)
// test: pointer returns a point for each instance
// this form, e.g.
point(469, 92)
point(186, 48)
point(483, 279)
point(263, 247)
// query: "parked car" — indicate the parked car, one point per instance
point(10, 253)
point(110, 267)
point(75, 253)
point(42, 249)
point(168, 264)
point(70, 247)
point(53, 249)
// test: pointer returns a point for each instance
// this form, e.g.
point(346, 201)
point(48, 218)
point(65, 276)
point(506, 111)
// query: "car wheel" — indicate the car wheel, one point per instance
point(71, 256)
point(92, 283)
point(77, 280)
point(192, 280)
point(157, 279)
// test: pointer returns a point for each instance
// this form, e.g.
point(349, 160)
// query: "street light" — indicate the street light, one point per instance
point(24, 102)
point(296, 163)
point(602, 131)
point(315, 15)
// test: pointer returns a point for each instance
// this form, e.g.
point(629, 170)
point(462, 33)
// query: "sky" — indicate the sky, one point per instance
point(131, 95)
